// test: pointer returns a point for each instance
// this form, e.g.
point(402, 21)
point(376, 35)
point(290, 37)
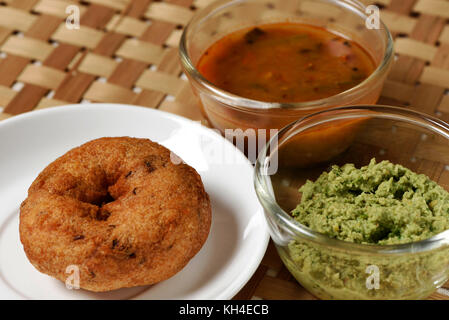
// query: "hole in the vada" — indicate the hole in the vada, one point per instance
point(102, 214)
point(103, 200)
point(132, 256)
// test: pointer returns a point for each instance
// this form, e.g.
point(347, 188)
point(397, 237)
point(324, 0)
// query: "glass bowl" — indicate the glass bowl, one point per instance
point(335, 269)
point(228, 111)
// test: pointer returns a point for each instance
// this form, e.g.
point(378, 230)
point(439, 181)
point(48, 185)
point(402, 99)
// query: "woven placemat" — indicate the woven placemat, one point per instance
point(125, 51)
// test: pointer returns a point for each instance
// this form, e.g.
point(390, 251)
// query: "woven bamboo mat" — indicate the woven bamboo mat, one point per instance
point(126, 52)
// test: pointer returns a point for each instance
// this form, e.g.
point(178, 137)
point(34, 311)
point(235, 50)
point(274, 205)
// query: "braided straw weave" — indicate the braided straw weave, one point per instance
point(126, 52)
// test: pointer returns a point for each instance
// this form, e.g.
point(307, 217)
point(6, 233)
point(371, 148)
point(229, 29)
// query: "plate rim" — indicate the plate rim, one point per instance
point(242, 279)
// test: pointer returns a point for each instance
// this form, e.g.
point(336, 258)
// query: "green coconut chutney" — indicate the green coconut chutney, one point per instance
point(381, 203)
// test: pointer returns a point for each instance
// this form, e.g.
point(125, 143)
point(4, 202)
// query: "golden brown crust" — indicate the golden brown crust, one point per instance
point(120, 210)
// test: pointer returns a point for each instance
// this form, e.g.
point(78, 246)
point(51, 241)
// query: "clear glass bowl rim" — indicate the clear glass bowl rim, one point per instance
point(262, 181)
point(242, 103)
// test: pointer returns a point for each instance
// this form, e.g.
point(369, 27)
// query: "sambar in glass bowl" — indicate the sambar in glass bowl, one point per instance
point(237, 25)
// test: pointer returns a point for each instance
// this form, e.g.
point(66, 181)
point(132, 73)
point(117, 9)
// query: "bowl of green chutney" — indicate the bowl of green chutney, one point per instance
point(373, 221)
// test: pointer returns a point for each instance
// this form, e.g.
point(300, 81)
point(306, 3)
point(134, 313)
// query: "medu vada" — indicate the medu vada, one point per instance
point(120, 210)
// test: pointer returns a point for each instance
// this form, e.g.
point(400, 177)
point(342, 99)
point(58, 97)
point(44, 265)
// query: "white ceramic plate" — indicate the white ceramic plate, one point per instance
point(238, 237)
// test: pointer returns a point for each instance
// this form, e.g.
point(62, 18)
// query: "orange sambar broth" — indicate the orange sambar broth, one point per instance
point(287, 63)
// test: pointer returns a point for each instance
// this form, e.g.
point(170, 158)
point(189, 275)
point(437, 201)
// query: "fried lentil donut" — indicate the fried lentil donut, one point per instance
point(117, 208)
